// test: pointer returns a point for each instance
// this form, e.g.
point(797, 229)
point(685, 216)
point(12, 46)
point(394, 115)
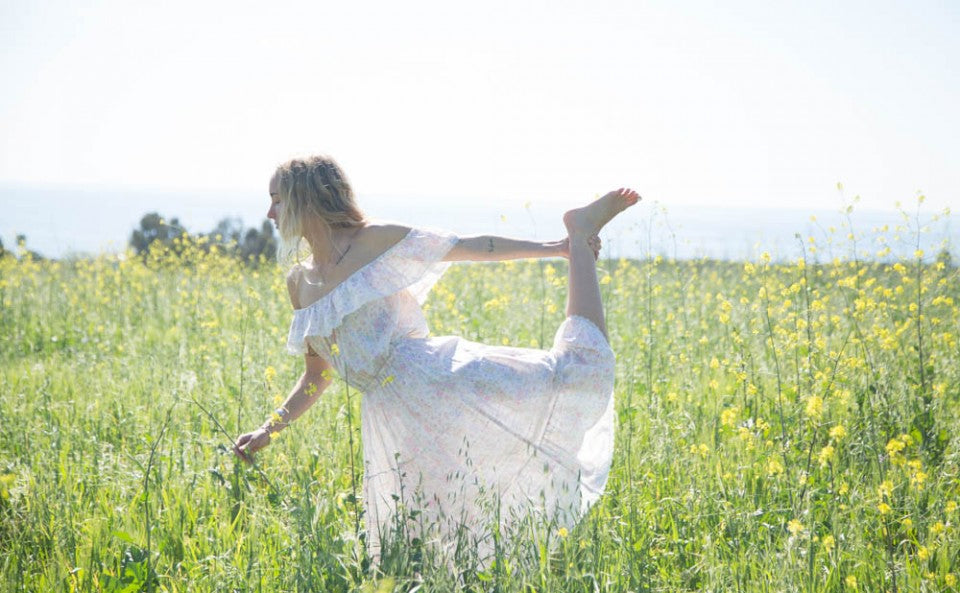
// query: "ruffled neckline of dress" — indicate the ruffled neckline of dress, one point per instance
point(354, 275)
point(415, 262)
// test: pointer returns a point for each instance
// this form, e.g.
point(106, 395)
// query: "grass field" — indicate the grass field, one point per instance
point(782, 426)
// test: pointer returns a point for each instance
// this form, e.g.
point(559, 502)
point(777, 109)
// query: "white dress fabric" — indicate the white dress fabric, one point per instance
point(470, 437)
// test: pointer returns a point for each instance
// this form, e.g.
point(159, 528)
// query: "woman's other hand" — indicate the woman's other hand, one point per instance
point(251, 442)
point(594, 243)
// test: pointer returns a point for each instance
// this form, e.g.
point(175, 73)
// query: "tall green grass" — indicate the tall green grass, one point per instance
point(781, 427)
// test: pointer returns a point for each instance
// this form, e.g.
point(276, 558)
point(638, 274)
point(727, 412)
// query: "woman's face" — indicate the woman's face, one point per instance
point(274, 211)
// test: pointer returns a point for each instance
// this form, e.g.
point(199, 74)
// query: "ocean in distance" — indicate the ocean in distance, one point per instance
point(60, 222)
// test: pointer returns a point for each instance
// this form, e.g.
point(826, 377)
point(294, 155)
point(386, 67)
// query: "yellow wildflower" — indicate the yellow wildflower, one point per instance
point(335, 350)
point(895, 446)
point(728, 417)
point(885, 489)
point(826, 455)
point(795, 527)
point(884, 508)
point(562, 532)
point(838, 432)
point(774, 467)
point(269, 374)
point(918, 479)
point(851, 581)
point(923, 553)
point(828, 543)
point(814, 407)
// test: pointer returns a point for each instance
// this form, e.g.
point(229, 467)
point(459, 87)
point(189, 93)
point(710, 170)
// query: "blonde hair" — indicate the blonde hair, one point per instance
point(312, 186)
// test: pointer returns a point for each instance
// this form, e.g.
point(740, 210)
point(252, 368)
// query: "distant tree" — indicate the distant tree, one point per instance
point(247, 245)
point(154, 228)
point(228, 236)
point(227, 230)
point(23, 251)
point(257, 243)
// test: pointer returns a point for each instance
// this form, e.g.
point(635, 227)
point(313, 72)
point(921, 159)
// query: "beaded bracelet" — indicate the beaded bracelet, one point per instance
point(278, 418)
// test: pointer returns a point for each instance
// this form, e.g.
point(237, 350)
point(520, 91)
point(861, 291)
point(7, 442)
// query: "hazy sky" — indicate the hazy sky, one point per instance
point(747, 103)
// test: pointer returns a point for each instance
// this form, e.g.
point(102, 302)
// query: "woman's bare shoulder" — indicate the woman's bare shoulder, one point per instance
point(381, 235)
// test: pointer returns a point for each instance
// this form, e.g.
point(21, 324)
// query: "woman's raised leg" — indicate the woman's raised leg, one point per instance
point(583, 289)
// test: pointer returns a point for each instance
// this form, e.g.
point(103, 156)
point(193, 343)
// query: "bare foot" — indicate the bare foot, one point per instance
point(592, 217)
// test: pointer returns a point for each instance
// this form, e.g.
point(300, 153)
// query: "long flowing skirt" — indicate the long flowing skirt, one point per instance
point(464, 440)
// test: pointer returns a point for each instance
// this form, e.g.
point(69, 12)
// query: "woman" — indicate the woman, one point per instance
point(473, 437)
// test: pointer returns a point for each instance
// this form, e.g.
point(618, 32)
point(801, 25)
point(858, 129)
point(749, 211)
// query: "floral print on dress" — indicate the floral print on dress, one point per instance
point(457, 430)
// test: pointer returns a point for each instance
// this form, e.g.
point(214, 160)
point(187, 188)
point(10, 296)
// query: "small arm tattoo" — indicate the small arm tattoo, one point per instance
point(490, 248)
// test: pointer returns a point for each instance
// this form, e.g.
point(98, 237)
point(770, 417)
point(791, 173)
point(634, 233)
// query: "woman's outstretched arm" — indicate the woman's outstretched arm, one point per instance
point(494, 248)
point(307, 390)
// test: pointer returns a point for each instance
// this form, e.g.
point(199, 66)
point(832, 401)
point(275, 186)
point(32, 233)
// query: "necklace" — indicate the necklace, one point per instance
point(343, 254)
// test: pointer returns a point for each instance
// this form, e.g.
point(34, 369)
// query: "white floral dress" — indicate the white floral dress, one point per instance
point(469, 435)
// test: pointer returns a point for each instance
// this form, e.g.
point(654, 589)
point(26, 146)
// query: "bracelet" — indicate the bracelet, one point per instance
point(277, 419)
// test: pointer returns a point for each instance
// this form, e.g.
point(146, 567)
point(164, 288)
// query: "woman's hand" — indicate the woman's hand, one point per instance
point(251, 442)
point(593, 242)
